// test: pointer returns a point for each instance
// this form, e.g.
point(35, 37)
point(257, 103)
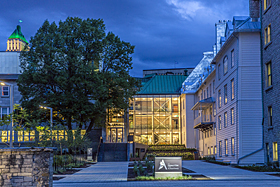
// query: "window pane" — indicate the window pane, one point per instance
point(225, 94)
point(232, 58)
point(225, 65)
point(232, 146)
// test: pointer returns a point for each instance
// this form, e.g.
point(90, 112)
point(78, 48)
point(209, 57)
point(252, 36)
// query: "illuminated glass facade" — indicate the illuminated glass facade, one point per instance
point(155, 119)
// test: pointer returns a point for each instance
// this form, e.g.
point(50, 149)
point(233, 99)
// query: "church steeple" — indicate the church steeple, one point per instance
point(17, 41)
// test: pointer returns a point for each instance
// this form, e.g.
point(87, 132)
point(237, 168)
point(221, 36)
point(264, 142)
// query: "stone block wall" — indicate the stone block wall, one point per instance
point(26, 167)
point(271, 94)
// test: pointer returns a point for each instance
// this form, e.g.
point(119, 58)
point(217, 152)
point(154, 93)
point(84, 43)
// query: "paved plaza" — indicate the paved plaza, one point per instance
point(115, 174)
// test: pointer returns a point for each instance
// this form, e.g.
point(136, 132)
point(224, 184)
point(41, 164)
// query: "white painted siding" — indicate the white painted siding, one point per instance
point(247, 129)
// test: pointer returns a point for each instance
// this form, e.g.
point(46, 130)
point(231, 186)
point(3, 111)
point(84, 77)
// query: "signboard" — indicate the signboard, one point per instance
point(89, 154)
point(168, 166)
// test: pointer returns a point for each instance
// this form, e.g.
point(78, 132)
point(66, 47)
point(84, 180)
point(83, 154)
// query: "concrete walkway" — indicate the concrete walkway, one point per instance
point(221, 172)
point(115, 174)
point(100, 172)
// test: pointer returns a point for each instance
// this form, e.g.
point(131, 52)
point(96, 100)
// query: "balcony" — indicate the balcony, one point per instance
point(204, 104)
point(204, 122)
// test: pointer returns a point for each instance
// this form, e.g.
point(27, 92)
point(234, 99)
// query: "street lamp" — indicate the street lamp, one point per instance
point(51, 114)
point(11, 109)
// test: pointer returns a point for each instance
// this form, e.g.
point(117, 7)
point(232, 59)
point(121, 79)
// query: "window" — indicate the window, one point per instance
point(215, 149)
point(232, 58)
point(225, 94)
point(207, 93)
point(5, 90)
point(219, 98)
point(270, 116)
point(225, 119)
point(213, 86)
point(267, 38)
point(275, 151)
point(210, 92)
point(4, 112)
point(232, 89)
point(212, 150)
point(268, 75)
point(266, 4)
point(219, 71)
point(232, 116)
point(226, 147)
point(232, 146)
point(215, 129)
point(201, 95)
point(220, 148)
point(208, 150)
point(225, 63)
point(267, 153)
point(220, 122)
point(204, 95)
point(214, 109)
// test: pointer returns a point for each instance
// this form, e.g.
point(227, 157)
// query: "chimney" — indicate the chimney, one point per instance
point(254, 8)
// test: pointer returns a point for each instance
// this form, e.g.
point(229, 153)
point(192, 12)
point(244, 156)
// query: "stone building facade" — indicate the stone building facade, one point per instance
point(270, 47)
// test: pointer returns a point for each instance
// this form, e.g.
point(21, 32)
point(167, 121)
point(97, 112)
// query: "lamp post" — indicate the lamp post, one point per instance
point(51, 116)
point(11, 109)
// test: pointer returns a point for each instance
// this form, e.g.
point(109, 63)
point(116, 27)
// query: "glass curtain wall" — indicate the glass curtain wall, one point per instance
point(155, 119)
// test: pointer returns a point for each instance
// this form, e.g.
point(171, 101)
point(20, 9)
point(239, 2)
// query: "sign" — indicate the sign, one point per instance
point(89, 154)
point(168, 166)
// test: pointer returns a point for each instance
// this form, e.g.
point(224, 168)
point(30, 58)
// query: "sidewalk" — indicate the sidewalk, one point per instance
point(114, 174)
point(100, 172)
point(221, 172)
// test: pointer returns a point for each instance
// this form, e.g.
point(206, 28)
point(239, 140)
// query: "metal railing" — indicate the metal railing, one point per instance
point(203, 119)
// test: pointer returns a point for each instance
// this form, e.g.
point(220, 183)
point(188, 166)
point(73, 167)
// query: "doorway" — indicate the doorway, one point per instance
point(116, 134)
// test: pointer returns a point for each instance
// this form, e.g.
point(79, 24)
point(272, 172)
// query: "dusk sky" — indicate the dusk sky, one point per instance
point(166, 33)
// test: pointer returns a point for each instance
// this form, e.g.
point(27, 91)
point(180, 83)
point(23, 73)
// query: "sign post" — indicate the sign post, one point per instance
point(168, 167)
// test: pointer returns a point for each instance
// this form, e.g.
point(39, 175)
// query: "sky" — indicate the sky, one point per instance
point(165, 33)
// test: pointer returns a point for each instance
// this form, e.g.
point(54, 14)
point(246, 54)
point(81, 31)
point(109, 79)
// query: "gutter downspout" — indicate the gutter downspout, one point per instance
point(261, 45)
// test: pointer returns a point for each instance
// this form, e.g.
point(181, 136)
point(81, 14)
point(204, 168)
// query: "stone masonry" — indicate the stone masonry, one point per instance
point(271, 94)
point(26, 167)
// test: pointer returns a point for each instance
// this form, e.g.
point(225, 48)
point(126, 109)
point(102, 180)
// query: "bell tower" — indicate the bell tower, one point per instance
point(17, 41)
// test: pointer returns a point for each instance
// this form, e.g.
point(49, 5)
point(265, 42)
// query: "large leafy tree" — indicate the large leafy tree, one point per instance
point(78, 70)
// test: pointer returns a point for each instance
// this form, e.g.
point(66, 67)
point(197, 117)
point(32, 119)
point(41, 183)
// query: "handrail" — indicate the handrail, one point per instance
point(96, 157)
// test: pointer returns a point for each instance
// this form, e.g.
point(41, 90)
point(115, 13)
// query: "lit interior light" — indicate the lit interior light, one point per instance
point(2, 83)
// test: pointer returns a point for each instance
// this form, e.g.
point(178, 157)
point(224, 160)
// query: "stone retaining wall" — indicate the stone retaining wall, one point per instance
point(26, 167)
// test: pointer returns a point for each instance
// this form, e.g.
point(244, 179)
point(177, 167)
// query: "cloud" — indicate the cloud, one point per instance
point(187, 9)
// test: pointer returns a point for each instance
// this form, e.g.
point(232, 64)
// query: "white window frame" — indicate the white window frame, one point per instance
point(2, 91)
point(225, 95)
point(225, 119)
point(232, 146)
point(220, 122)
point(232, 89)
point(232, 58)
point(220, 149)
point(225, 64)
point(232, 116)
point(226, 147)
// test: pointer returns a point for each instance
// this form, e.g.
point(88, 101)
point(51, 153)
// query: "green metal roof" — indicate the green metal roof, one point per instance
point(17, 34)
point(163, 84)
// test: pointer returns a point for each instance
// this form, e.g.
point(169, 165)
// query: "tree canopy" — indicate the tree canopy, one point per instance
point(78, 69)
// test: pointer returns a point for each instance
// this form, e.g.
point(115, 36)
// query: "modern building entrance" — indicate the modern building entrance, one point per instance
point(116, 135)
